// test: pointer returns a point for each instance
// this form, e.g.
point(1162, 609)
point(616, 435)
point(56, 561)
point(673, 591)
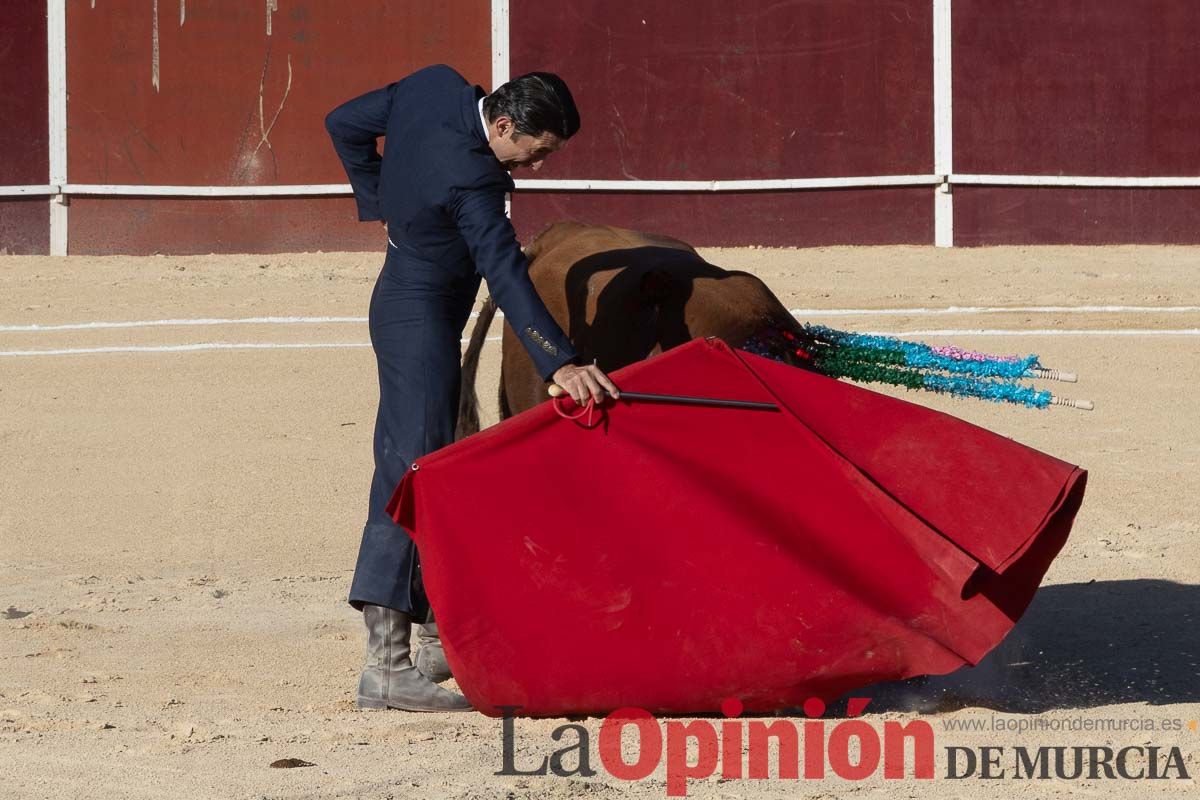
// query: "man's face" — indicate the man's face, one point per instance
point(515, 150)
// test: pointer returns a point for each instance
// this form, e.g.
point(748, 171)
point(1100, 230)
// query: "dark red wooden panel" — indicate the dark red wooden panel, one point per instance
point(24, 226)
point(24, 157)
point(223, 79)
point(986, 215)
point(140, 226)
point(1076, 87)
point(713, 89)
point(847, 216)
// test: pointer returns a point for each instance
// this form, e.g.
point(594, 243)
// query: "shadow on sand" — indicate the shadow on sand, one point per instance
point(1079, 645)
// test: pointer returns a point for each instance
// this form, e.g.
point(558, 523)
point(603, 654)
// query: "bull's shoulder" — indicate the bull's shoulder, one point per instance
point(553, 235)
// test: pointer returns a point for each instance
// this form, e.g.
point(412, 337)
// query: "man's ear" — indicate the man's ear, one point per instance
point(504, 126)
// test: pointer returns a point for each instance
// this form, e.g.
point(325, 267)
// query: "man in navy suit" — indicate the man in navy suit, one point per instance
point(439, 188)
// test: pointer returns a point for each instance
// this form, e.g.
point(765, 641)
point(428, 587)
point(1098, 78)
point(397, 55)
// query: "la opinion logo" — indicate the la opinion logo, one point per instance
point(737, 748)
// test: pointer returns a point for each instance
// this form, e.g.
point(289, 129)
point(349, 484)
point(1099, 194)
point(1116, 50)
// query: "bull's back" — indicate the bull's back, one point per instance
point(624, 295)
point(579, 268)
point(564, 243)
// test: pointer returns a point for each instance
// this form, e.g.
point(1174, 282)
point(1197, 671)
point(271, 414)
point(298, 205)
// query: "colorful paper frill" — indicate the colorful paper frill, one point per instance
point(872, 358)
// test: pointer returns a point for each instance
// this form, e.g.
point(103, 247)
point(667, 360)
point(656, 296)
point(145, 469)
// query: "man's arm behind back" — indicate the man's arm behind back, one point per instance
point(355, 127)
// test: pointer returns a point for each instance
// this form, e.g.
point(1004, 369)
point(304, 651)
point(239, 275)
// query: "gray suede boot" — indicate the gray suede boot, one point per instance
point(389, 680)
point(431, 658)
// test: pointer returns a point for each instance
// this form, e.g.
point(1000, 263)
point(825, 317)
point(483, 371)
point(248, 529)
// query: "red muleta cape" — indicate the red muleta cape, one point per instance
point(675, 555)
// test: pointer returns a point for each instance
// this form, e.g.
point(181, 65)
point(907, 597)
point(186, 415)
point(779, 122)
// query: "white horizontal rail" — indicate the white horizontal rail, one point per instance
point(783, 184)
point(29, 191)
point(729, 186)
point(207, 191)
point(1074, 180)
point(342, 189)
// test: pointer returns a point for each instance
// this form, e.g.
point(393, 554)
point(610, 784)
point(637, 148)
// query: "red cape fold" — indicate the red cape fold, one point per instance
point(675, 556)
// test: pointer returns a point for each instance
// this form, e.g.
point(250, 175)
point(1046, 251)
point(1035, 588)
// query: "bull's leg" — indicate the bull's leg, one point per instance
point(520, 383)
point(505, 409)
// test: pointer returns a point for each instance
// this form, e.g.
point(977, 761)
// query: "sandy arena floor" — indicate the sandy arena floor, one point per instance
point(178, 527)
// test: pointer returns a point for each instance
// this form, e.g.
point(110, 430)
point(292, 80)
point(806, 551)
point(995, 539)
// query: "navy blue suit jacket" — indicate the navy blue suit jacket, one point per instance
point(441, 190)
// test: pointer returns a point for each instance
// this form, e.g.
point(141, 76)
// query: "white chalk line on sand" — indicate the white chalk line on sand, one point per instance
point(185, 348)
point(1043, 332)
point(171, 323)
point(195, 347)
point(892, 312)
point(797, 312)
point(199, 346)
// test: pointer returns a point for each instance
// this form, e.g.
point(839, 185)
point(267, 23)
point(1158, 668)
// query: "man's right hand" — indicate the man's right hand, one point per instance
point(585, 382)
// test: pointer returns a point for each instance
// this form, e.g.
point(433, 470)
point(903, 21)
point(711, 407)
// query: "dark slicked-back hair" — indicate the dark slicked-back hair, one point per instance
point(537, 102)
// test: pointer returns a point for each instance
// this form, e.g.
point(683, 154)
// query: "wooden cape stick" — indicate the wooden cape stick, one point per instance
point(555, 390)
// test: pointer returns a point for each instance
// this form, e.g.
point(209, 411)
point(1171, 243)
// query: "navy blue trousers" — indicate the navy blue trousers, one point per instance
point(418, 312)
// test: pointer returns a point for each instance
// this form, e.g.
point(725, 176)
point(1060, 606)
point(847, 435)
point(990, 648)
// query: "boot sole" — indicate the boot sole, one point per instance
point(371, 704)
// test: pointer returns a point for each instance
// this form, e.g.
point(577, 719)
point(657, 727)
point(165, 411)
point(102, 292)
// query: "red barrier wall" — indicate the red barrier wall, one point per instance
point(24, 226)
point(222, 82)
point(1076, 87)
point(740, 91)
point(772, 219)
point(24, 155)
point(234, 94)
point(186, 225)
point(995, 215)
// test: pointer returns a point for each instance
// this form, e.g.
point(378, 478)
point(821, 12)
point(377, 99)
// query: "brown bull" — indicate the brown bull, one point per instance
point(621, 296)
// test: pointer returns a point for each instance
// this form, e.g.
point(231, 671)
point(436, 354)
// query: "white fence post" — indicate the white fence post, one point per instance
point(943, 125)
point(56, 58)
